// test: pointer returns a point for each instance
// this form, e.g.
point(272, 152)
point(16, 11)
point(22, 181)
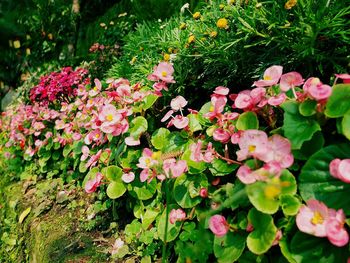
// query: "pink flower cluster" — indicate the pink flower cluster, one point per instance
point(315, 218)
point(92, 184)
point(274, 151)
point(177, 215)
point(179, 121)
point(340, 169)
point(163, 75)
point(59, 86)
point(199, 155)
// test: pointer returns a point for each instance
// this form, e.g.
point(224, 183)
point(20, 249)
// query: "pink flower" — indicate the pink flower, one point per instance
point(85, 150)
point(178, 103)
point(335, 231)
point(271, 77)
point(198, 156)
point(245, 175)
point(163, 72)
point(167, 116)
point(174, 169)
point(277, 100)
point(95, 90)
point(290, 80)
point(94, 159)
point(217, 106)
point(243, 101)
point(221, 135)
point(222, 91)
point(340, 169)
point(131, 141)
point(218, 225)
point(316, 89)
point(92, 184)
point(278, 237)
point(203, 192)
point(180, 122)
point(312, 218)
point(345, 77)
point(177, 215)
point(128, 177)
point(118, 244)
point(252, 143)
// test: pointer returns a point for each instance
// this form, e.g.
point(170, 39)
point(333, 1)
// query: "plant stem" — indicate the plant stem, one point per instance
point(164, 252)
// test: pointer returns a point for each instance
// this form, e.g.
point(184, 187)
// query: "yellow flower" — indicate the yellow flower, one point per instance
point(170, 50)
point(16, 44)
point(191, 39)
point(28, 51)
point(197, 15)
point(290, 4)
point(50, 36)
point(213, 34)
point(221, 7)
point(230, 2)
point(133, 60)
point(182, 26)
point(166, 57)
point(222, 23)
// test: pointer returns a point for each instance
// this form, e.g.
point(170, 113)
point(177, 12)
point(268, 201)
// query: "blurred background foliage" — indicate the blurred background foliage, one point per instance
point(126, 38)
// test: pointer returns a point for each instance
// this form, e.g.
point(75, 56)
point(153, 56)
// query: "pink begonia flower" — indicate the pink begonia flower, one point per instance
point(92, 184)
point(85, 153)
point(124, 91)
point(30, 151)
point(118, 244)
point(95, 90)
point(180, 122)
point(174, 169)
point(278, 237)
point(159, 86)
point(197, 153)
point(221, 135)
point(109, 116)
point(163, 71)
point(277, 100)
point(76, 136)
point(245, 175)
point(146, 162)
point(290, 80)
point(128, 177)
point(203, 192)
point(218, 225)
point(257, 94)
point(176, 215)
point(340, 169)
point(93, 136)
point(178, 103)
point(335, 231)
point(217, 106)
point(94, 159)
point(131, 141)
point(220, 90)
point(252, 143)
point(345, 77)
point(312, 218)
point(167, 116)
point(271, 77)
point(243, 101)
point(316, 89)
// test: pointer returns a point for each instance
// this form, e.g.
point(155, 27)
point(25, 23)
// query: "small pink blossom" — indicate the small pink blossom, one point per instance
point(92, 184)
point(221, 135)
point(177, 215)
point(245, 175)
point(243, 101)
point(222, 91)
point(278, 237)
point(340, 169)
point(174, 169)
point(167, 116)
point(252, 143)
point(128, 177)
point(94, 159)
point(178, 103)
point(290, 80)
point(345, 77)
point(218, 225)
point(335, 231)
point(131, 141)
point(203, 192)
point(180, 122)
point(96, 89)
point(163, 71)
point(316, 89)
point(277, 100)
point(85, 150)
point(271, 77)
point(118, 244)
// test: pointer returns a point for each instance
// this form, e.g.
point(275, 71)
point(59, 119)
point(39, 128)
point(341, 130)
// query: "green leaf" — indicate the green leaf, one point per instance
point(159, 138)
point(229, 247)
point(297, 128)
point(247, 120)
point(194, 123)
point(308, 107)
point(193, 167)
point(24, 214)
point(67, 150)
point(82, 167)
point(112, 173)
point(288, 183)
point(221, 168)
point(260, 240)
point(90, 175)
point(149, 101)
point(138, 126)
point(143, 191)
point(345, 124)
point(339, 102)
point(182, 186)
point(148, 218)
point(257, 196)
point(115, 190)
point(307, 248)
point(290, 205)
point(310, 147)
point(315, 181)
point(172, 230)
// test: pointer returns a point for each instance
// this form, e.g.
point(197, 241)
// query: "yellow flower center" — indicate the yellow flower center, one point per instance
point(95, 88)
point(222, 23)
point(196, 15)
point(183, 26)
point(109, 117)
point(271, 191)
point(166, 57)
point(164, 74)
point(97, 135)
point(156, 155)
point(267, 77)
point(213, 34)
point(191, 39)
point(147, 161)
point(251, 148)
point(317, 219)
point(211, 109)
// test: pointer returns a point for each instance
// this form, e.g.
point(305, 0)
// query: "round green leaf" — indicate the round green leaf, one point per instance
point(290, 205)
point(143, 191)
point(194, 123)
point(138, 126)
point(229, 247)
point(257, 196)
point(260, 240)
point(315, 181)
point(112, 173)
point(193, 167)
point(247, 120)
point(345, 124)
point(296, 127)
point(288, 183)
point(308, 108)
point(173, 229)
point(338, 103)
point(159, 138)
point(186, 189)
point(221, 168)
point(115, 190)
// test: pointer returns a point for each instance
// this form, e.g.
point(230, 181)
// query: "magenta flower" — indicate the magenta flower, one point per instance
point(290, 80)
point(164, 72)
point(177, 215)
point(92, 184)
point(218, 225)
point(271, 77)
point(345, 77)
point(340, 169)
point(252, 143)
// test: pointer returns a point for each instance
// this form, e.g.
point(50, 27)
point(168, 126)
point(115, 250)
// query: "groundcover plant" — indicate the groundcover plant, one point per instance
point(262, 175)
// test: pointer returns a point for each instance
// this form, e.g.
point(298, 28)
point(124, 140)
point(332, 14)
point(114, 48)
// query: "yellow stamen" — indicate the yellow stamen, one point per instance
point(95, 88)
point(267, 78)
point(97, 135)
point(109, 117)
point(251, 148)
point(317, 219)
